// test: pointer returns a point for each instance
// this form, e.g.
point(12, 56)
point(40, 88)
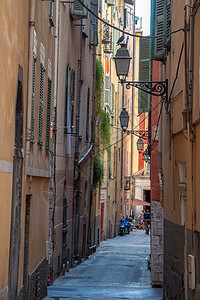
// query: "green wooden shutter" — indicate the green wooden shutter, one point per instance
point(78, 11)
point(168, 24)
point(159, 29)
point(88, 114)
point(144, 75)
point(152, 27)
point(33, 99)
point(93, 27)
point(41, 104)
point(72, 96)
point(48, 122)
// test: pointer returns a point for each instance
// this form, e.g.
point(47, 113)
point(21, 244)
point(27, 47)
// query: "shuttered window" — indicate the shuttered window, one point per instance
point(88, 114)
point(66, 124)
point(93, 27)
point(159, 29)
point(72, 96)
point(33, 98)
point(113, 97)
point(144, 74)
point(168, 24)
point(41, 104)
point(48, 121)
point(161, 12)
point(107, 90)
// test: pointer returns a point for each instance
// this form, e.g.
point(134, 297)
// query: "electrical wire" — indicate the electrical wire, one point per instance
point(128, 33)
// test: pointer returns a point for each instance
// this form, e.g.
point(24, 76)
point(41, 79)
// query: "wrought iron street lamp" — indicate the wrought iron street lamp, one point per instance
point(140, 144)
point(155, 88)
point(124, 118)
point(122, 62)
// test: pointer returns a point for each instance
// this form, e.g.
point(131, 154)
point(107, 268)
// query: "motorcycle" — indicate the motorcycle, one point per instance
point(122, 227)
point(128, 226)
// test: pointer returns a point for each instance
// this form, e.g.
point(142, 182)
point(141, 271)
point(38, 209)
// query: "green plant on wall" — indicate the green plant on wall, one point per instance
point(98, 172)
point(100, 114)
point(99, 85)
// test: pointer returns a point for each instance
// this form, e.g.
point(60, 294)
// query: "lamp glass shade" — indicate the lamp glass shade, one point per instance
point(140, 144)
point(122, 61)
point(124, 118)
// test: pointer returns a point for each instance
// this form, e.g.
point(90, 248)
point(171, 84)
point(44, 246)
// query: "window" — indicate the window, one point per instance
point(88, 114)
point(72, 96)
point(107, 90)
point(33, 85)
point(48, 122)
point(64, 250)
point(41, 94)
point(93, 29)
point(144, 75)
point(67, 96)
point(161, 22)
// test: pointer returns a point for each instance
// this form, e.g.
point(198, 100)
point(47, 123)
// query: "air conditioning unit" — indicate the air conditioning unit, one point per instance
point(78, 11)
point(110, 2)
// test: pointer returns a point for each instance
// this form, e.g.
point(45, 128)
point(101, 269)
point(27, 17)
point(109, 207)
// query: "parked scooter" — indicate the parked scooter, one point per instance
point(122, 227)
point(128, 225)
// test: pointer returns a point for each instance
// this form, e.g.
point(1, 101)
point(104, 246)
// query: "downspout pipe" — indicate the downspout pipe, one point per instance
point(29, 84)
point(76, 207)
point(53, 174)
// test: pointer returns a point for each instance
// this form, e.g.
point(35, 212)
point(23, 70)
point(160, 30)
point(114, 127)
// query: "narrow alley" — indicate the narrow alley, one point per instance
point(118, 270)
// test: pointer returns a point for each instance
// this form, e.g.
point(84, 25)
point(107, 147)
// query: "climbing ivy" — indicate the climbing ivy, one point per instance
point(98, 172)
point(100, 114)
point(99, 85)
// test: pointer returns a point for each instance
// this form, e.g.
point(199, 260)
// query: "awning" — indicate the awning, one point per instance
point(138, 202)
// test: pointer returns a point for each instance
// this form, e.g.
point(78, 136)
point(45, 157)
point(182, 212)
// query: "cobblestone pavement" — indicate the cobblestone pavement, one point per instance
point(118, 270)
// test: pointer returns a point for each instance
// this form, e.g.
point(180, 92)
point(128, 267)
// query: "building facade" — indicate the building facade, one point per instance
point(178, 144)
point(27, 51)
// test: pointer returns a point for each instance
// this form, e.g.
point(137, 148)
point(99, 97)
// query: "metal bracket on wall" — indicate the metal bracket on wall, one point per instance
point(155, 88)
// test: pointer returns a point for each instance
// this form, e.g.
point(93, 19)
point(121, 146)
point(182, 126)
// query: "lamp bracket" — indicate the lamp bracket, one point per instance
point(155, 88)
point(143, 134)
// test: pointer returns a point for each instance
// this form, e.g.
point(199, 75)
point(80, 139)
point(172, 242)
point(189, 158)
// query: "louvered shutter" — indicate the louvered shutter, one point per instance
point(168, 24)
point(144, 75)
point(33, 99)
point(41, 100)
point(72, 96)
point(152, 27)
point(48, 121)
point(159, 29)
point(78, 11)
point(113, 97)
point(88, 114)
point(107, 90)
point(93, 30)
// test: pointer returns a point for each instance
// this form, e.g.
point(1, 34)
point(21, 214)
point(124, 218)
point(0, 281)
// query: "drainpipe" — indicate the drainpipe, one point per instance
point(53, 146)
point(133, 91)
point(28, 127)
point(122, 142)
point(92, 143)
point(117, 150)
point(30, 72)
point(77, 194)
